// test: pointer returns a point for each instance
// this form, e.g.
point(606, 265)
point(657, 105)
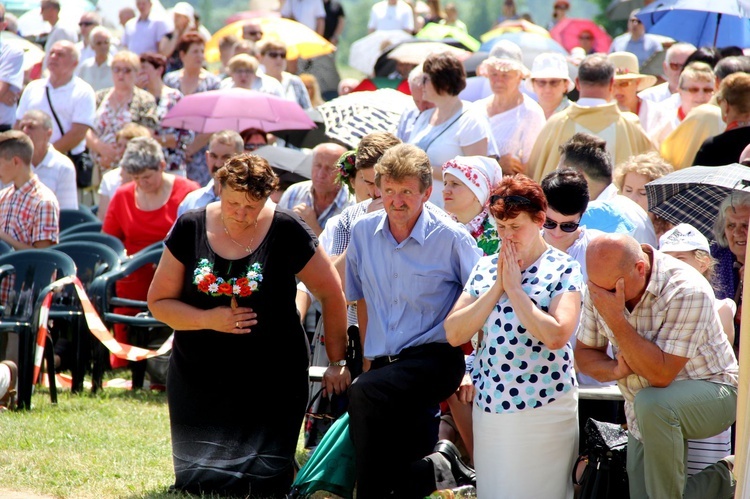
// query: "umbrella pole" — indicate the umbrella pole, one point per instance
point(716, 34)
point(742, 449)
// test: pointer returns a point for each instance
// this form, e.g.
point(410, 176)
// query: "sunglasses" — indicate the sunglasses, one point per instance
point(544, 83)
point(695, 90)
point(86, 23)
point(550, 224)
point(274, 55)
point(510, 200)
point(676, 66)
point(253, 147)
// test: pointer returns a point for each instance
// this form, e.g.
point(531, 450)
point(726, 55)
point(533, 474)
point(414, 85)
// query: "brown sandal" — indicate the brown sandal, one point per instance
point(8, 401)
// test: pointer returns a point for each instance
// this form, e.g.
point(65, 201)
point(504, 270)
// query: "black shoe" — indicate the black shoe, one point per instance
point(463, 474)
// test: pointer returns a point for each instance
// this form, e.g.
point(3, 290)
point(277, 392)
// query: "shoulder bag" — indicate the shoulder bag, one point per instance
point(82, 161)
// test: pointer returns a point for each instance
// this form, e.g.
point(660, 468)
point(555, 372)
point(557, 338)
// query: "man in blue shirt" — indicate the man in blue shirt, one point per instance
point(222, 146)
point(405, 268)
point(636, 41)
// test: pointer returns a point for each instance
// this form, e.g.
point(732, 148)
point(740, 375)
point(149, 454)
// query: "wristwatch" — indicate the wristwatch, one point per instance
point(338, 363)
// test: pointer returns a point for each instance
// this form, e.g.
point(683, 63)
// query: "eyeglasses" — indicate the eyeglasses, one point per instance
point(510, 200)
point(676, 66)
point(117, 69)
point(550, 224)
point(695, 90)
point(544, 83)
point(274, 55)
point(86, 23)
point(253, 147)
point(635, 20)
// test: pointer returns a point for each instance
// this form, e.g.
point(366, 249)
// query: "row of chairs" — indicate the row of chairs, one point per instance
point(26, 277)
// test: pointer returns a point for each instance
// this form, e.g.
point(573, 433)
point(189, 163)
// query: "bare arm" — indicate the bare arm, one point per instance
point(337, 32)
point(7, 95)
point(478, 148)
point(594, 362)
point(339, 262)
point(320, 25)
point(167, 45)
point(71, 138)
point(644, 357)
point(321, 279)
point(469, 314)
point(165, 305)
point(103, 206)
point(46, 243)
point(553, 328)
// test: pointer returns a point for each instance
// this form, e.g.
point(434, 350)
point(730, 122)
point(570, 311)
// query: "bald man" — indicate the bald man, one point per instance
point(673, 364)
point(320, 198)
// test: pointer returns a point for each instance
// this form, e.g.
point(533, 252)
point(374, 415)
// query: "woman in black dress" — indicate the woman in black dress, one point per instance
point(237, 384)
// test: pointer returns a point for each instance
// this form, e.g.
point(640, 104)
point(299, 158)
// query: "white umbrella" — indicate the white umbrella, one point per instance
point(416, 52)
point(364, 53)
point(297, 161)
point(32, 53)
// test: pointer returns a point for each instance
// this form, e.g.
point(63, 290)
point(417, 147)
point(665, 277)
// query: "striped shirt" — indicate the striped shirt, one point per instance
point(676, 312)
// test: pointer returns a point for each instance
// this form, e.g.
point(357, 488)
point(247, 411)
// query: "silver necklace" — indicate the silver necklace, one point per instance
point(249, 247)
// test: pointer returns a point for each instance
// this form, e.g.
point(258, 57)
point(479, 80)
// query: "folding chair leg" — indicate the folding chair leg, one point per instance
point(49, 356)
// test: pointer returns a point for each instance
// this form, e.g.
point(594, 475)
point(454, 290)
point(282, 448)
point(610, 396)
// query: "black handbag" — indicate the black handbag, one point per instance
point(605, 475)
point(82, 161)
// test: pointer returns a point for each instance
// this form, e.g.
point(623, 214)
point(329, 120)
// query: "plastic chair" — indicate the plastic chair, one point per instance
point(5, 248)
point(92, 260)
point(25, 279)
point(70, 217)
point(102, 294)
point(70, 232)
point(101, 238)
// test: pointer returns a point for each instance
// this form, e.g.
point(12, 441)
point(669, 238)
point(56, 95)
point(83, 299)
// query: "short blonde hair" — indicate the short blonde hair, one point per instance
point(128, 58)
point(131, 131)
point(403, 161)
point(650, 165)
point(697, 71)
point(267, 44)
point(242, 61)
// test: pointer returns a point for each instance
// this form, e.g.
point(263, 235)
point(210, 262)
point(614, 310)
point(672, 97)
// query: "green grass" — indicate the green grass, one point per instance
point(112, 444)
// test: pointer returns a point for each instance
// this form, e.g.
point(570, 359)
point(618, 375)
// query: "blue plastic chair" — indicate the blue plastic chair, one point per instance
point(25, 279)
point(70, 232)
point(70, 217)
point(102, 294)
point(99, 237)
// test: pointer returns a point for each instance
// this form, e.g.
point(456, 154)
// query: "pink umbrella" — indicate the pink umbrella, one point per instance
point(236, 109)
point(567, 31)
point(250, 14)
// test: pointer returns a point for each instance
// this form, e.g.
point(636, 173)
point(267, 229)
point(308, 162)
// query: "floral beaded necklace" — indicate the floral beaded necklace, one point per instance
point(211, 284)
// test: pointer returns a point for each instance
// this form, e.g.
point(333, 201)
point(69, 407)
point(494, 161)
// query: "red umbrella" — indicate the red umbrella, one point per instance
point(567, 31)
point(236, 109)
point(250, 14)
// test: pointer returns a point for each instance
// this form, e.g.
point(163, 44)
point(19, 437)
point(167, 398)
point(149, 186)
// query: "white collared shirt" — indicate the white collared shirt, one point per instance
point(57, 172)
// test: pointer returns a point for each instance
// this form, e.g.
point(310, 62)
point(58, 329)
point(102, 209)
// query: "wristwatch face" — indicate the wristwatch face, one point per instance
point(340, 363)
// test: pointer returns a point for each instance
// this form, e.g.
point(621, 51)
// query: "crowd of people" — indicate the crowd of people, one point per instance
point(493, 255)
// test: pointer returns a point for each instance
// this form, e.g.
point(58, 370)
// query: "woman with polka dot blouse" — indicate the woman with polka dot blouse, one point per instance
point(526, 300)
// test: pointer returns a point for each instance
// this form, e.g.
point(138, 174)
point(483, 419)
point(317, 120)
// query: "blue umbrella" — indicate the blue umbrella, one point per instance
point(531, 45)
point(718, 23)
point(22, 5)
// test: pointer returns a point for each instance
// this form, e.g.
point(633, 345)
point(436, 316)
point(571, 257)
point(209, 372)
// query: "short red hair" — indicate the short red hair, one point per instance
point(529, 194)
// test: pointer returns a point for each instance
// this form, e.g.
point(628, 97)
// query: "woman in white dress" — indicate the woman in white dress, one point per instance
point(453, 127)
point(516, 119)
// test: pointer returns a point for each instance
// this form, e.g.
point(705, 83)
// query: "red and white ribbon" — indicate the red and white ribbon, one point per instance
point(96, 326)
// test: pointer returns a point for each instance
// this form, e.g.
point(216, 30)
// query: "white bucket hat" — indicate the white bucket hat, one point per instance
point(504, 54)
point(551, 65)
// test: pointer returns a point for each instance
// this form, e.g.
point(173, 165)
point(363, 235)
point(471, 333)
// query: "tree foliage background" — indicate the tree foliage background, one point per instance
point(479, 15)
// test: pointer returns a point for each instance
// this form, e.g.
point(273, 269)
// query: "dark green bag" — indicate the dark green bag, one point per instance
point(331, 466)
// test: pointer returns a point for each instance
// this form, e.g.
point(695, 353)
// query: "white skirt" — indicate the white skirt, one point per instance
point(527, 454)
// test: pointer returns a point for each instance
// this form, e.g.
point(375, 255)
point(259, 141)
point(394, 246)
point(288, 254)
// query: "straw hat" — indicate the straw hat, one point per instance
point(551, 65)
point(504, 55)
point(626, 68)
